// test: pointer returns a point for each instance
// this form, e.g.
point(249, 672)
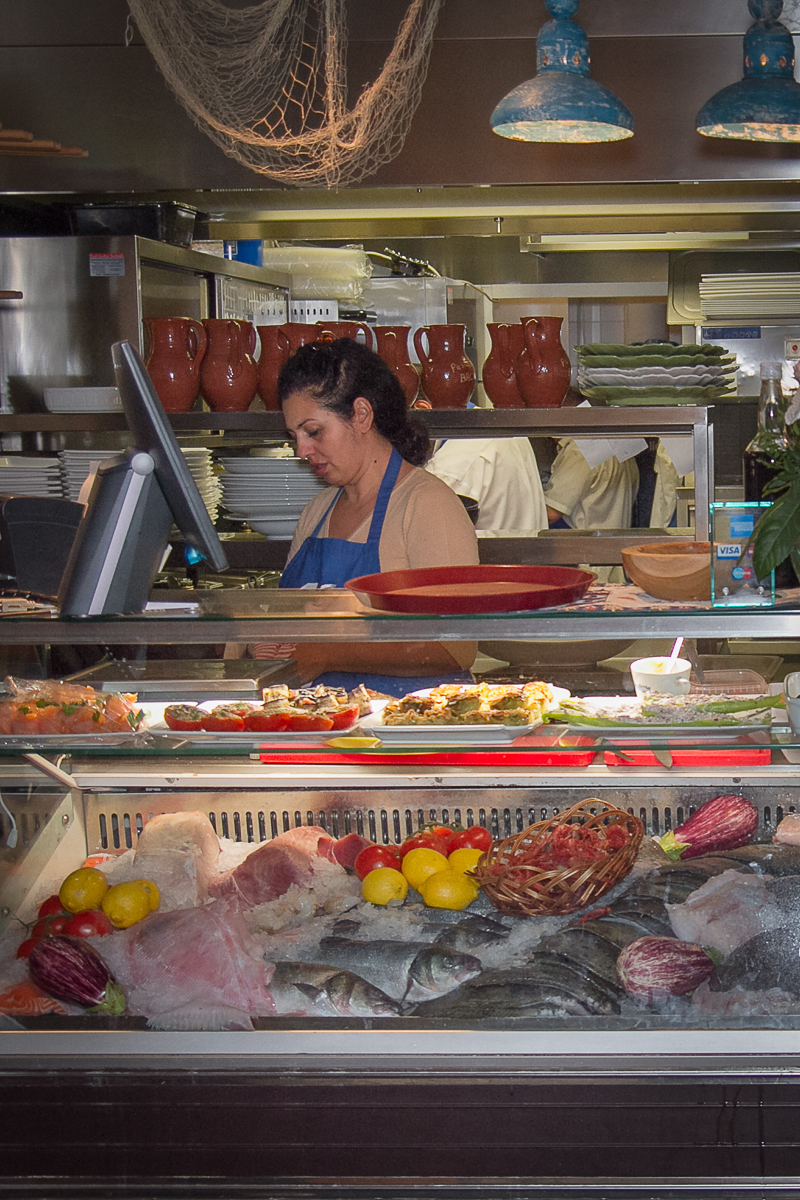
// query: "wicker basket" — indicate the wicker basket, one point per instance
point(522, 890)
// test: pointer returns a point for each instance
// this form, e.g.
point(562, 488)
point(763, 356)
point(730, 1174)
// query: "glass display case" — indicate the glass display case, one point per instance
point(661, 1102)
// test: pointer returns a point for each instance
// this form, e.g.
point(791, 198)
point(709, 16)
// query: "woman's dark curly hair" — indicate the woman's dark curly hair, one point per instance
point(336, 373)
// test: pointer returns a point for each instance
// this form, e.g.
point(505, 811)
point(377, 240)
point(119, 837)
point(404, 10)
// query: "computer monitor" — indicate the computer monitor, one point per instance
point(134, 502)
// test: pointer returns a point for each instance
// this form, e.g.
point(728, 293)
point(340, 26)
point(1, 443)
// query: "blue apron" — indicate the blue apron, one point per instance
point(330, 562)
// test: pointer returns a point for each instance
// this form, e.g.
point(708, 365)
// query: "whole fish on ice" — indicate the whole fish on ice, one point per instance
point(317, 990)
point(407, 971)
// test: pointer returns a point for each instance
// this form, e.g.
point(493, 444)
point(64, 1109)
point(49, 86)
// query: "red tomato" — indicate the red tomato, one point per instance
point(306, 721)
point(345, 717)
point(93, 922)
point(225, 718)
point(24, 948)
point(376, 856)
point(50, 926)
point(475, 838)
point(51, 907)
point(183, 716)
point(444, 833)
point(265, 722)
point(420, 841)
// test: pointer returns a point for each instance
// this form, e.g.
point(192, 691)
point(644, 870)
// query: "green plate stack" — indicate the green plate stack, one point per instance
point(658, 373)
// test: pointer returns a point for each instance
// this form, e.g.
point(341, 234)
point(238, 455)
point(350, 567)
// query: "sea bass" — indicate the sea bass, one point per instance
point(406, 971)
point(317, 990)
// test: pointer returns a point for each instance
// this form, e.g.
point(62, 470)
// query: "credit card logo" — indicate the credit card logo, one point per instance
point(728, 550)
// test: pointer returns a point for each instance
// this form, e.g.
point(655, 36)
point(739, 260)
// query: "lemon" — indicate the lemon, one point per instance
point(384, 884)
point(448, 889)
point(464, 859)
point(126, 903)
point(420, 863)
point(83, 889)
point(353, 743)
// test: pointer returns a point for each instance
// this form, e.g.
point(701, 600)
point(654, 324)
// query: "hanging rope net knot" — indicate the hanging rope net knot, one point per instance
point(268, 83)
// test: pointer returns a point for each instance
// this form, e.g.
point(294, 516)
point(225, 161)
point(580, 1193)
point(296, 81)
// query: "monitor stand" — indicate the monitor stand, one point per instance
point(120, 543)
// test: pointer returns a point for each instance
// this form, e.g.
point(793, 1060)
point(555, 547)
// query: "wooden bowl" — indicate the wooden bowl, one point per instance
point(671, 570)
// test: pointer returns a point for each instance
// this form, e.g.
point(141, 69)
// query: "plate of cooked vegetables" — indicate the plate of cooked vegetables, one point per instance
point(664, 716)
point(285, 714)
point(463, 714)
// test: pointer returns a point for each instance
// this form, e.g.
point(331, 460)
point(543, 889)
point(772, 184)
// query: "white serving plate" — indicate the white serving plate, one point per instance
point(617, 733)
point(160, 729)
point(449, 735)
point(273, 528)
point(82, 399)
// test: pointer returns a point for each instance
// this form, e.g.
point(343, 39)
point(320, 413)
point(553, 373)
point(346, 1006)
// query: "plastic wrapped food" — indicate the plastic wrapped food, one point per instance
point(42, 707)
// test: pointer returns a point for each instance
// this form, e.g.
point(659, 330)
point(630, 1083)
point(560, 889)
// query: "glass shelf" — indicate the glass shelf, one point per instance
point(289, 615)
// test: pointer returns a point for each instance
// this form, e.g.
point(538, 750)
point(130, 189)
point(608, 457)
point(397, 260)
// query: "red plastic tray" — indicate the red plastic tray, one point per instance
point(480, 589)
point(528, 751)
point(749, 750)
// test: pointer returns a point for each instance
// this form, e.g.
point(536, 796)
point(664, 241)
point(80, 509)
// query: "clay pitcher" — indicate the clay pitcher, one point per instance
point(299, 334)
point(329, 331)
point(543, 369)
point(448, 377)
point(393, 348)
point(176, 346)
point(274, 353)
point(229, 374)
point(500, 368)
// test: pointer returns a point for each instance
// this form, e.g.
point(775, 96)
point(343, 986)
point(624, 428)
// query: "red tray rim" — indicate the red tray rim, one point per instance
point(567, 584)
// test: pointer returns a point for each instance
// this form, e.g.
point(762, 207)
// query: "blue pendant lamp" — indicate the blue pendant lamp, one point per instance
point(765, 105)
point(561, 103)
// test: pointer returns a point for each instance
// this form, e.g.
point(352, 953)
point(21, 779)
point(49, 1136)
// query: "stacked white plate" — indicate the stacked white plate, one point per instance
point(82, 400)
point(750, 295)
point(76, 465)
point(198, 460)
point(269, 494)
point(23, 476)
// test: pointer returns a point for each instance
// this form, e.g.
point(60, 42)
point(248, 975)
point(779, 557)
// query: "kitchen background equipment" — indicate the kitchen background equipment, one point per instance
point(83, 293)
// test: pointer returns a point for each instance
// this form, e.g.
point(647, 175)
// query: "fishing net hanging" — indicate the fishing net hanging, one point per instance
point(268, 83)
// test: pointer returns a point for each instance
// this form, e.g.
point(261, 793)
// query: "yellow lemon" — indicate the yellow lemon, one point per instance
point(384, 884)
point(353, 743)
point(448, 889)
point(83, 889)
point(155, 894)
point(420, 863)
point(464, 859)
point(126, 903)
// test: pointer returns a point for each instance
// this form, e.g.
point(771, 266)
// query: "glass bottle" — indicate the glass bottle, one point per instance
point(762, 454)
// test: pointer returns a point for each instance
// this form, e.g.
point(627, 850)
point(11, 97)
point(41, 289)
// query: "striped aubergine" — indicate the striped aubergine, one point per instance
point(723, 823)
point(70, 969)
point(662, 966)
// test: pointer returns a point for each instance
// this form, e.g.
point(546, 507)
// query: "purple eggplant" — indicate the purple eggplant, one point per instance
point(724, 823)
point(662, 966)
point(70, 969)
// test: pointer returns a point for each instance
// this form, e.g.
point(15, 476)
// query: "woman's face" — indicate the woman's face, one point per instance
point(333, 446)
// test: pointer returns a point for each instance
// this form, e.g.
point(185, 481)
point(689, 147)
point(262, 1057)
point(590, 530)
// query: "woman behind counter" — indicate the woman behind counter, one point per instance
point(347, 414)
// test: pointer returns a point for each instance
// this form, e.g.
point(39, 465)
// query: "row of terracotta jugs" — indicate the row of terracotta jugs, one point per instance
point(526, 365)
point(185, 357)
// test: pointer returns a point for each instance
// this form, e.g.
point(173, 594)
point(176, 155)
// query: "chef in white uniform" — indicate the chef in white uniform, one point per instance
point(587, 497)
point(500, 473)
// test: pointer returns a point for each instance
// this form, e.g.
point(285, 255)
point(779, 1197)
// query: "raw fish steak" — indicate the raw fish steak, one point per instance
point(726, 912)
point(200, 958)
point(311, 840)
point(265, 875)
point(188, 833)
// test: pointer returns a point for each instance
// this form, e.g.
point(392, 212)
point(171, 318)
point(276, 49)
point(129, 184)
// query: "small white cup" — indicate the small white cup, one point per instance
point(661, 675)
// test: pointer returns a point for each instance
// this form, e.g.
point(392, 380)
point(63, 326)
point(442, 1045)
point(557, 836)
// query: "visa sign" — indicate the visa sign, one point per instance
point(728, 549)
